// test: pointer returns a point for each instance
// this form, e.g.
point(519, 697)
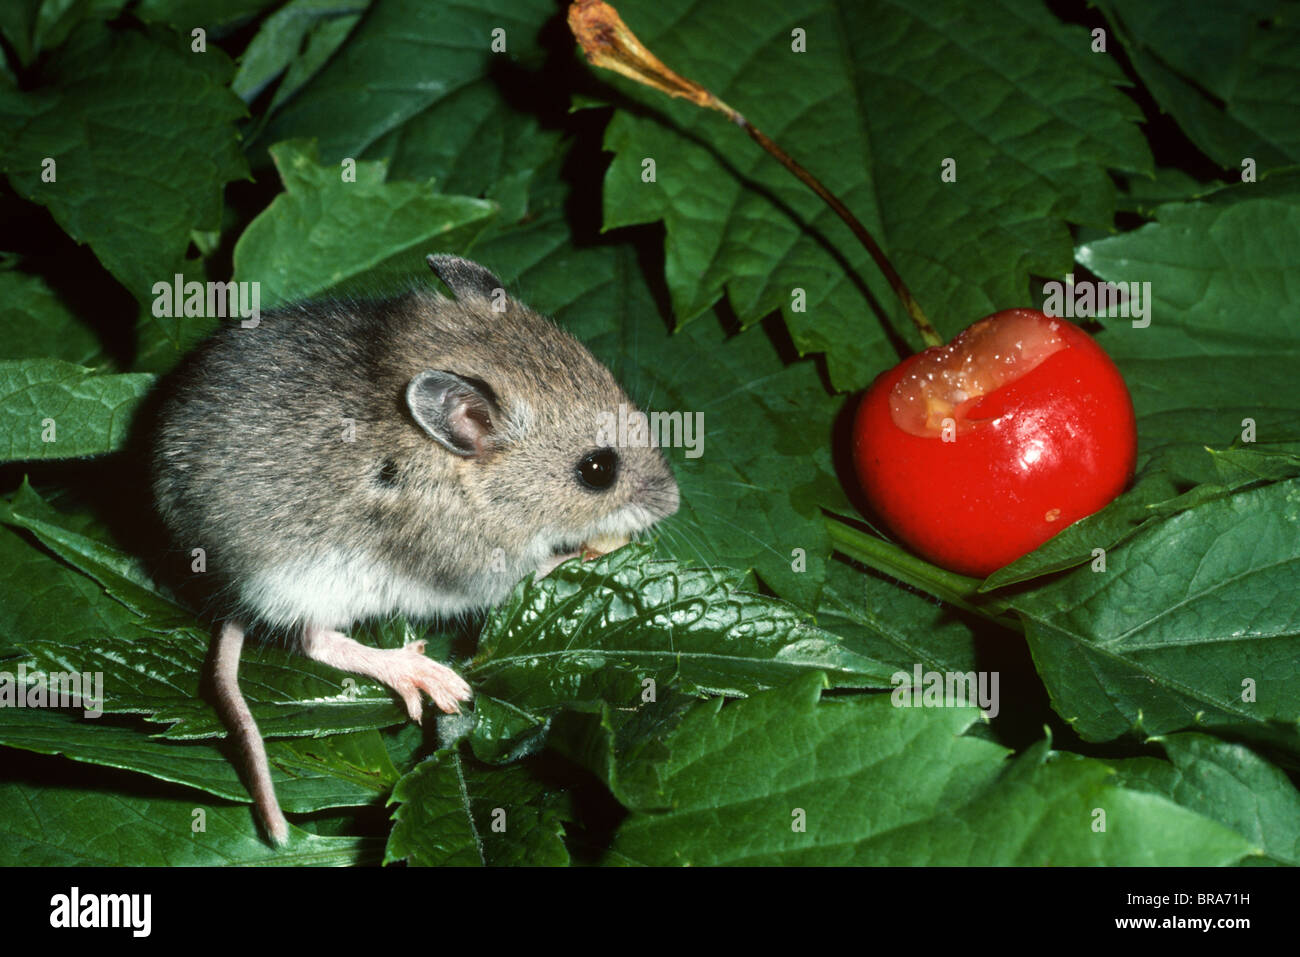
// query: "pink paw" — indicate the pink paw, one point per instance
point(413, 673)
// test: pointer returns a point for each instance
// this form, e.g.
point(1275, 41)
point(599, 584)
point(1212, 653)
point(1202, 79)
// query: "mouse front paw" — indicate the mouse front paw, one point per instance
point(413, 673)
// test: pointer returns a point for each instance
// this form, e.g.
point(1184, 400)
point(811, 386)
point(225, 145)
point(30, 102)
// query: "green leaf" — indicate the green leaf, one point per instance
point(453, 810)
point(342, 770)
point(595, 632)
point(217, 16)
point(56, 826)
point(323, 230)
point(885, 93)
point(1154, 496)
point(403, 59)
point(1144, 195)
point(789, 778)
point(1228, 783)
point(34, 323)
point(1237, 467)
point(322, 42)
point(158, 676)
point(144, 139)
point(1227, 73)
point(276, 46)
point(56, 410)
point(1184, 627)
point(438, 90)
point(17, 21)
point(615, 743)
point(746, 482)
point(43, 599)
point(1224, 336)
point(122, 575)
point(32, 26)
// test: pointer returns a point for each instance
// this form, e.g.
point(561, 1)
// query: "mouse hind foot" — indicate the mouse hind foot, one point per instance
point(406, 670)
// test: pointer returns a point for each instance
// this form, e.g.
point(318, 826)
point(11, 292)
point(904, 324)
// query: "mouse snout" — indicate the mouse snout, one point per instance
point(664, 497)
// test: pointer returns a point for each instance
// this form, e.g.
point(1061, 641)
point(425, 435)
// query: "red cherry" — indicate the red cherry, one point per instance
point(977, 452)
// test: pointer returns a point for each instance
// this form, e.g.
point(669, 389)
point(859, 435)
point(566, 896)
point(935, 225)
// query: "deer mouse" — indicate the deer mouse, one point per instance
point(416, 455)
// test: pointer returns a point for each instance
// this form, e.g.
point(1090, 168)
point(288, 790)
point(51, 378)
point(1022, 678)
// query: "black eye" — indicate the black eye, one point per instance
point(598, 469)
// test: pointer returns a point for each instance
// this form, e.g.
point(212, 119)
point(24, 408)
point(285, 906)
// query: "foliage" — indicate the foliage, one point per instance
point(725, 688)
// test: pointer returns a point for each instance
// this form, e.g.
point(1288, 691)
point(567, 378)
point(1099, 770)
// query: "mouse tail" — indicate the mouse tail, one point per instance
point(235, 713)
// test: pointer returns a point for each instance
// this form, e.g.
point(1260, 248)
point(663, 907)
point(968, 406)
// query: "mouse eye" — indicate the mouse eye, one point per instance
point(597, 470)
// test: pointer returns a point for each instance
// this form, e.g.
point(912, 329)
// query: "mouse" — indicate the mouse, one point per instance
point(344, 459)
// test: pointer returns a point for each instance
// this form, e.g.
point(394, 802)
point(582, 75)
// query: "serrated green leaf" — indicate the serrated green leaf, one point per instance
point(1227, 73)
point(280, 39)
point(458, 811)
point(889, 91)
point(593, 633)
point(1223, 342)
point(152, 662)
point(323, 230)
point(42, 598)
point(1228, 783)
point(158, 676)
point(404, 58)
point(886, 621)
point(144, 139)
point(618, 743)
point(786, 778)
point(122, 575)
point(1184, 628)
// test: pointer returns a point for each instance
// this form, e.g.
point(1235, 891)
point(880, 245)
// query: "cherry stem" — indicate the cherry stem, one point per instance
point(608, 43)
point(929, 335)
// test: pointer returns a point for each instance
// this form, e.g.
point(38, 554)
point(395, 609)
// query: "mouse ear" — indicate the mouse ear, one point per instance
point(458, 412)
point(465, 278)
